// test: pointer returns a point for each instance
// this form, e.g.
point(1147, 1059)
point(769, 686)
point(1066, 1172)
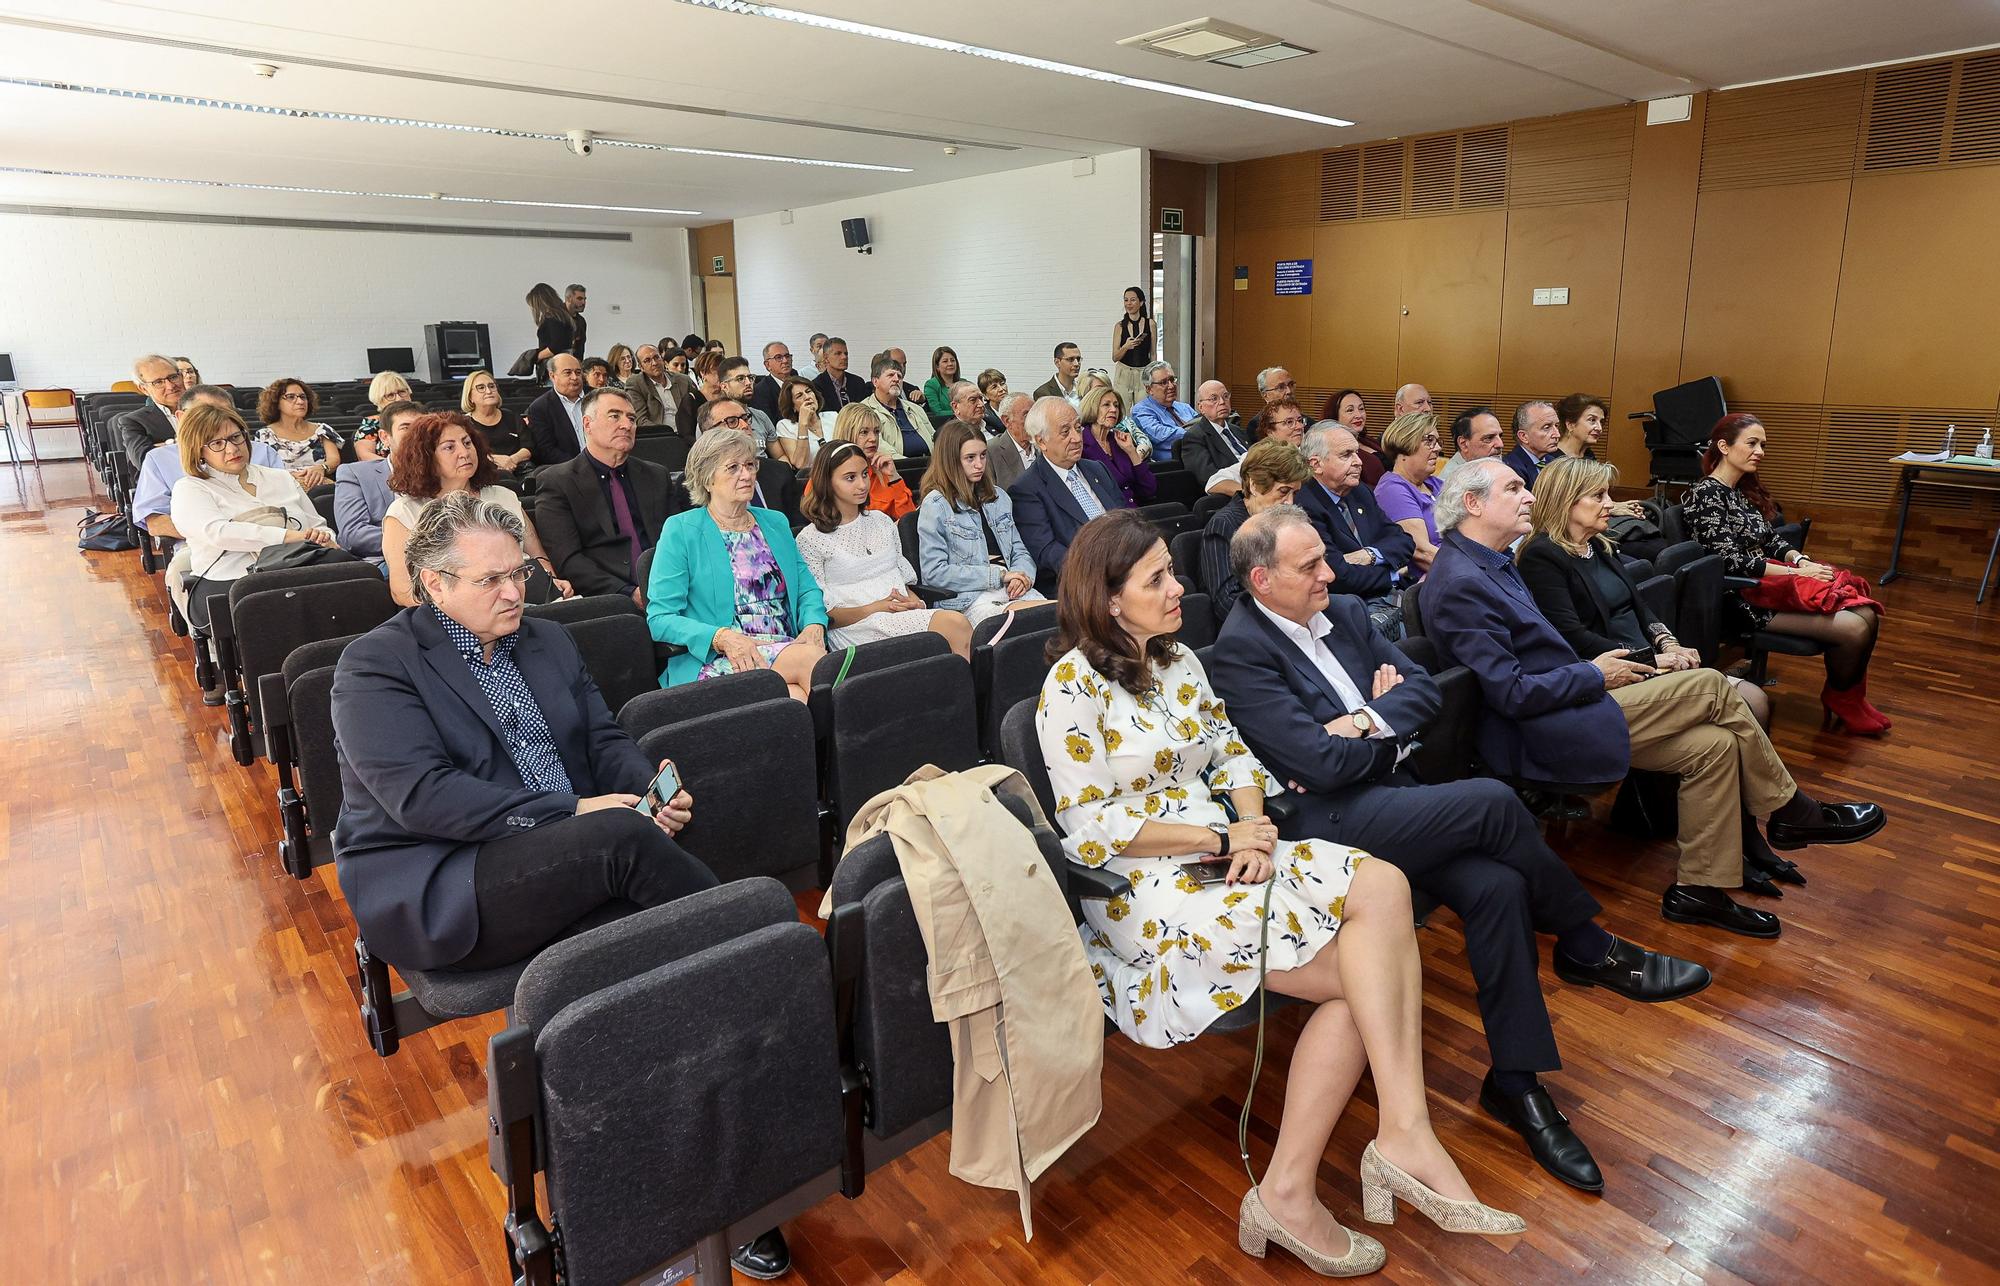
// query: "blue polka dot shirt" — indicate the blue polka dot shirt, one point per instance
point(529, 742)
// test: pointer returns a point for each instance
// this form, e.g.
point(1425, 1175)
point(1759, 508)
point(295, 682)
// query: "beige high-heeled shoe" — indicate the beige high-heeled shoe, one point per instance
point(1255, 1229)
point(1382, 1182)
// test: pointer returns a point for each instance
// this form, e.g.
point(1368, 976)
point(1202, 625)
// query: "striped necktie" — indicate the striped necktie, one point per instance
point(1092, 506)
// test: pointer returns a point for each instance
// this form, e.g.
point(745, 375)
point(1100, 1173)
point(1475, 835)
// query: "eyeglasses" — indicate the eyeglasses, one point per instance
point(1165, 380)
point(223, 443)
point(175, 378)
point(491, 584)
point(734, 421)
point(293, 397)
point(781, 357)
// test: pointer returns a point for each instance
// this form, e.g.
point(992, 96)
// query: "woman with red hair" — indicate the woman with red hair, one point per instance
point(1731, 514)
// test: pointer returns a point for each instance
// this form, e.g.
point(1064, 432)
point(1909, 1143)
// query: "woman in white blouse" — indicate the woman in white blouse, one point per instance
point(228, 509)
point(439, 453)
point(856, 555)
point(805, 428)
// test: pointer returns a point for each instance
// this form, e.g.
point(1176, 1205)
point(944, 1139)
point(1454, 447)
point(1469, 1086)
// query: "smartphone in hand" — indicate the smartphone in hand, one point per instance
point(1213, 871)
point(664, 787)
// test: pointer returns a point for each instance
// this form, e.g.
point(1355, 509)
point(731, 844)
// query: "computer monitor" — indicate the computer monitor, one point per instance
point(401, 360)
point(6, 368)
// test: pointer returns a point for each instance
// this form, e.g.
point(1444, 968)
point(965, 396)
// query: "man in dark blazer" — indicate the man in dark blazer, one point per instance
point(1048, 511)
point(836, 384)
point(1549, 715)
point(555, 419)
point(1333, 709)
point(1367, 552)
point(147, 425)
point(1536, 432)
point(600, 511)
point(777, 369)
point(486, 789)
point(1209, 445)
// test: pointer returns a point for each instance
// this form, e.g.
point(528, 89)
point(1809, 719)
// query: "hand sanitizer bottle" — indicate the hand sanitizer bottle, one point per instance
point(1950, 430)
point(1985, 448)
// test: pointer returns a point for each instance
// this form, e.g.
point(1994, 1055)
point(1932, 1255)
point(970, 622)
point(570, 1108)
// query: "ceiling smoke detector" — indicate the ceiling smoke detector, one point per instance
point(1206, 40)
point(265, 70)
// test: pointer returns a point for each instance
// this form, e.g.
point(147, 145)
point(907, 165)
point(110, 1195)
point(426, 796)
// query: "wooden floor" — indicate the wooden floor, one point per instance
point(187, 1095)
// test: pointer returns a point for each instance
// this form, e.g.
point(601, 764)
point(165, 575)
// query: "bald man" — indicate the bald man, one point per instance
point(555, 419)
point(1412, 397)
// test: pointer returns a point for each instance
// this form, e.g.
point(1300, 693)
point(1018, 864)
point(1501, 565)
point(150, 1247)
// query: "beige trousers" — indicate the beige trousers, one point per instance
point(1693, 725)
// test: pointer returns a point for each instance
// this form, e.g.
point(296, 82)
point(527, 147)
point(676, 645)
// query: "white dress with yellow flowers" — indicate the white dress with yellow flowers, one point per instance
point(1174, 955)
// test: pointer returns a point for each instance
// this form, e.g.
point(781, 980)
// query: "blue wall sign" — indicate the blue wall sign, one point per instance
point(1292, 277)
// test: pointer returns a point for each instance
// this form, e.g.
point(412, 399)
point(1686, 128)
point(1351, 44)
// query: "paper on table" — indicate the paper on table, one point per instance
point(1921, 457)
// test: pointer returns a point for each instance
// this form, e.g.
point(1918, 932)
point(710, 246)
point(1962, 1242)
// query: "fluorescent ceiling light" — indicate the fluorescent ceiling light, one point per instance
point(406, 122)
point(282, 187)
point(1000, 55)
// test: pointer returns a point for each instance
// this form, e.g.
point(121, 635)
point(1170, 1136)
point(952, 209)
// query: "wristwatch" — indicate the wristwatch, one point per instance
point(1222, 837)
point(1363, 720)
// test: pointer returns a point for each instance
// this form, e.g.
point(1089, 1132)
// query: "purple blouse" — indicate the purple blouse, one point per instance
point(1400, 500)
point(1135, 480)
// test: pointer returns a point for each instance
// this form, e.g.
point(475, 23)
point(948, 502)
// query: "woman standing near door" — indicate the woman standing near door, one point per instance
point(1132, 347)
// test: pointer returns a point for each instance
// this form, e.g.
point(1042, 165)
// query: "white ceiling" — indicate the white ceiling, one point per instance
point(633, 70)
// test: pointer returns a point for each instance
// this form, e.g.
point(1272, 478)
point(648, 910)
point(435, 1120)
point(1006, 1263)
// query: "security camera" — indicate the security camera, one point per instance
point(580, 142)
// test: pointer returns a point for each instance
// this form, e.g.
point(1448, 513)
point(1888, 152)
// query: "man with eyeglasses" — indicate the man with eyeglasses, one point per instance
point(777, 369)
point(1213, 445)
point(736, 382)
point(1069, 364)
point(1273, 383)
point(599, 513)
point(1160, 415)
point(656, 391)
point(1284, 421)
point(146, 426)
point(555, 419)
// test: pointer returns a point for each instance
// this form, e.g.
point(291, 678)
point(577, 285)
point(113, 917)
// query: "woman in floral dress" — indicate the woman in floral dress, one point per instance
point(1142, 756)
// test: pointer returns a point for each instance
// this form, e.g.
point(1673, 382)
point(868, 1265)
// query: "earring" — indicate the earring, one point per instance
point(1114, 609)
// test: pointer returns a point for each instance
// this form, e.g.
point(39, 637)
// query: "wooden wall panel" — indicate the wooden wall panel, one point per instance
point(1550, 350)
point(1652, 292)
point(1761, 291)
point(1452, 268)
point(1907, 331)
point(1585, 156)
point(1183, 186)
point(1271, 329)
point(1357, 304)
point(715, 239)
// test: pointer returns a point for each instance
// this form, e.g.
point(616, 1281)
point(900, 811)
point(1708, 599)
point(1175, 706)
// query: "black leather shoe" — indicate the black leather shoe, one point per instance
point(1698, 904)
point(765, 1258)
point(1636, 973)
point(1784, 872)
point(1838, 824)
point(1546, 1131)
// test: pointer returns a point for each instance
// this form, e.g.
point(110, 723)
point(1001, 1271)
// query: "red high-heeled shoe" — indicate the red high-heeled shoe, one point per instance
point(1846, 711)
point(1862, 687)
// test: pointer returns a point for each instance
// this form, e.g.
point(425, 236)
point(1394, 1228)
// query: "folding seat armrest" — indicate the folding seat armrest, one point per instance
point(1738, 582)
point(846, 947)
point(277, 721)
point(1094, 883)
point(513, 1124)
point(1282, 810)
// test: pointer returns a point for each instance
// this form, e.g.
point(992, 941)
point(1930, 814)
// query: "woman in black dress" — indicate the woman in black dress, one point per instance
point(555, 328)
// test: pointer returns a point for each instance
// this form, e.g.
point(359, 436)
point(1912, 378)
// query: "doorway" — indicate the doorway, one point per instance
point(718, 297)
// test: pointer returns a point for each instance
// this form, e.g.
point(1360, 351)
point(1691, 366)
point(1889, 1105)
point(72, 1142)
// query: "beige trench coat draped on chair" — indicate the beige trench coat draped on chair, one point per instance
point(1007, 972)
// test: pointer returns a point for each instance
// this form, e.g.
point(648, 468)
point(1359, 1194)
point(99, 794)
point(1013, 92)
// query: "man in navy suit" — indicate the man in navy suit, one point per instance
point(1332, 708)
point(1536, 432)
point(361, 495)
point(1369, 554)
point(1060, 491)
point(1550, 715)
point(555, 419)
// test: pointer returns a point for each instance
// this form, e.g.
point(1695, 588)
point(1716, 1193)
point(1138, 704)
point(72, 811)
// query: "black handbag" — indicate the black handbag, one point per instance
point(301, 553)
point(110, 533)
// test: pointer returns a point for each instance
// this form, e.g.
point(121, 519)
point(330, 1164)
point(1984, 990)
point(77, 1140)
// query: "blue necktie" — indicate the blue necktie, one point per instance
point(1092, 506)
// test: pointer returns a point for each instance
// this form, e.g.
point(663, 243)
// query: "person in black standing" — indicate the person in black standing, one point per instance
point(555, 327)
point(1132, 347)
point(574, 297)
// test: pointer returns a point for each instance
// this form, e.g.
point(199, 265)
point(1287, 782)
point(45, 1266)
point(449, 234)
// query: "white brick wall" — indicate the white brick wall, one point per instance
point(1000, 267)
point(81, 297)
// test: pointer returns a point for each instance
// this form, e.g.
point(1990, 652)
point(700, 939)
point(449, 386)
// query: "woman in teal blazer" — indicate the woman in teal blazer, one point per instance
point(728, 583)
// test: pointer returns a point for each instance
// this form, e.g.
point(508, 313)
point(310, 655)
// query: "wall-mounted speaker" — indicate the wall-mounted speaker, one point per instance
point(854, 235)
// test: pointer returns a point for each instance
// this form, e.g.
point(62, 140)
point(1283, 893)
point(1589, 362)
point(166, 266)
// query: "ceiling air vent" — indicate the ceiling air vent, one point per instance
point(1206, 40)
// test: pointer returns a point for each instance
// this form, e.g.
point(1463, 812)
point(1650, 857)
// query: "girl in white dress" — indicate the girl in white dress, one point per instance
point(855, 554)
point(1141, 757)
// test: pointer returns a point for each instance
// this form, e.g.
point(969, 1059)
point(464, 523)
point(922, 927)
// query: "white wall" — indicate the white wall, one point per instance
point(999, 267)
point(249, 304)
